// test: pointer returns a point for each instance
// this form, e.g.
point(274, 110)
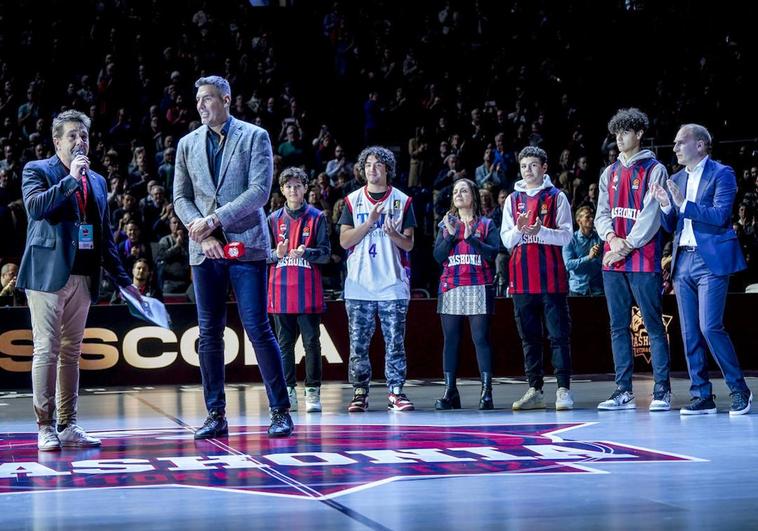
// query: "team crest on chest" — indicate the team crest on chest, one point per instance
point(635, 184)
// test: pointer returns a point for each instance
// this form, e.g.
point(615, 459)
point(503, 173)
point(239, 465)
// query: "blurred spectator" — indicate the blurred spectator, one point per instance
point(10, 162)
point(292, 149)
point(418, 151)
point(156, 210)
point(338, 164)
point(12, 216)
point(487, 203)
point(166, 171)
point(505, 163)
point(746, 218)
point(9, 295)
point(134, 247)
point(142, 279)
point(486, 173)
point(583, 257)
point(590, 200)
point(128, 205)
point(172, 259)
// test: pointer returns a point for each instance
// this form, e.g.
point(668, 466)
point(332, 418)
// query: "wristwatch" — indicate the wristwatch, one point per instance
point(211, 221)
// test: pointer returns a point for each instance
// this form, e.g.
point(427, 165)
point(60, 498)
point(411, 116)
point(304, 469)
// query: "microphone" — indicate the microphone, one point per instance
point(81, 151)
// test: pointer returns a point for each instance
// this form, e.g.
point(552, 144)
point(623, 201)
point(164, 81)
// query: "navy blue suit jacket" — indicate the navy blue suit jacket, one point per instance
point(53, 233)
point(711, 215)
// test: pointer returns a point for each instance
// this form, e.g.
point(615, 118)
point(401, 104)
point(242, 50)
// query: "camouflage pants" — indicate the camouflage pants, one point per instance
point(362, 323)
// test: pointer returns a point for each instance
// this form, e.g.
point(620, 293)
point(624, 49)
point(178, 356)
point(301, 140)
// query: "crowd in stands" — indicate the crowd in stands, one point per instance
point(454, 88)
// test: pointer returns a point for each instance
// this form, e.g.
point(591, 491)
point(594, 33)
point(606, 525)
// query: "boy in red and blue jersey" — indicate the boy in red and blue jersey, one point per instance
point(628, 220)
point(295, 292)
point(536, 225)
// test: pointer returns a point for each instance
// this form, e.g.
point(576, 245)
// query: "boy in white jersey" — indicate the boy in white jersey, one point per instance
point(376, 228)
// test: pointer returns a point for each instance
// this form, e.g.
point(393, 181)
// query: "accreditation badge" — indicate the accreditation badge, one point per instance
point(86, 236)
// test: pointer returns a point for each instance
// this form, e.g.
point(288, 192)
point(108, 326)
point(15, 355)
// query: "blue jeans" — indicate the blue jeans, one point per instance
point(621, 291)
point(701, 297)
point(248, 279)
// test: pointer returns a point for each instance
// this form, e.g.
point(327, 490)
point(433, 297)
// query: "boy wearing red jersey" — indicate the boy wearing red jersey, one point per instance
point(536, 225)
point(295, 293)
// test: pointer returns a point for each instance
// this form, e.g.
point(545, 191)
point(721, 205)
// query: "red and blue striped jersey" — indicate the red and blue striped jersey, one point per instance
point(294, 284)
point(537, 267)
point(627, 187)
point(465, 266)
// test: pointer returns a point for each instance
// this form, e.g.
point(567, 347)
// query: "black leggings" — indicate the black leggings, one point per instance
point(480, 328)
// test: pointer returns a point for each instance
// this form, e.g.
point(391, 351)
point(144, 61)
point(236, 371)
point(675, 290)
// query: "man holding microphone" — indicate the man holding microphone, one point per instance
point(68, 240)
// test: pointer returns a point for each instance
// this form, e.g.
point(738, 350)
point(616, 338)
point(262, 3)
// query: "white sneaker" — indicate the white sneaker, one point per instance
point(618, 400)
point(563, 399)
point(532, 399)
point(661, 401)
point(312, 399)
point(75, 436)
point(292, 393)
point(47, 439)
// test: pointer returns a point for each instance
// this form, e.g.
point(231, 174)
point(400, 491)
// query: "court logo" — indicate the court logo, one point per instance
point(640, 337)
point(318, 462)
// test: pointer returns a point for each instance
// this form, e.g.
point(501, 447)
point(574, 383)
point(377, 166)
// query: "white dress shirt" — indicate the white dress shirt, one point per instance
point(693, 181)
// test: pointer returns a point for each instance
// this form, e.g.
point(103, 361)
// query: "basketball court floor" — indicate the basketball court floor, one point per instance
point(465, 469)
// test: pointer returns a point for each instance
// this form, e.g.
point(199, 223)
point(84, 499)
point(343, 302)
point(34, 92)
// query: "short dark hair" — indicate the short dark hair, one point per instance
point(631, 119)
point(69, 116)
point(143, 261)
point(221, 84)
point(533, 151)
point(293, 172)
point(383, 155)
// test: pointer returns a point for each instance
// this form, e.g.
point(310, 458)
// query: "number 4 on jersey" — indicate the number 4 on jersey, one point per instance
point(372, 250)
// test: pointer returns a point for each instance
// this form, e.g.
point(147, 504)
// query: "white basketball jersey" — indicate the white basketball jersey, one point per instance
point(377, 269)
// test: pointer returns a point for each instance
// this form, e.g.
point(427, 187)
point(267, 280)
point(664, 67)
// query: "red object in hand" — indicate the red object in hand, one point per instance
point(234, 250)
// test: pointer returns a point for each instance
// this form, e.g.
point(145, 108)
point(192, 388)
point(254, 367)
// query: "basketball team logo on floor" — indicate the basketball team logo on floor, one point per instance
point(319, 461)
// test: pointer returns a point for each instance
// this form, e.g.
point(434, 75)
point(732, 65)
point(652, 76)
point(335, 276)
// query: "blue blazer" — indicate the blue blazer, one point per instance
point(53, 232)
point(711, 215)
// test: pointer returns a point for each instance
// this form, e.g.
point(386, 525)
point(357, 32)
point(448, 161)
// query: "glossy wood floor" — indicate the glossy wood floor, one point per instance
point(464, 469)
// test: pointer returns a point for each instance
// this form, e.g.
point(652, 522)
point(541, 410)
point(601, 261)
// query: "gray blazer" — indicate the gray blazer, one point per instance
point(244, 185)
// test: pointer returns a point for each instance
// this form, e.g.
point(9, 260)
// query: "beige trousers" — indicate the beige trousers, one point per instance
point(58, 321)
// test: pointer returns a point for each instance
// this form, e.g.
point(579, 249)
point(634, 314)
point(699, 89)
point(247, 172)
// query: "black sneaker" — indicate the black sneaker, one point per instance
point(741, 401)
point(700, 406)
point(214, 426)
point(281, 423)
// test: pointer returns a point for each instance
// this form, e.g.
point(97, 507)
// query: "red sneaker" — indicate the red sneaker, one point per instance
point(359, 404)
point(398, 401)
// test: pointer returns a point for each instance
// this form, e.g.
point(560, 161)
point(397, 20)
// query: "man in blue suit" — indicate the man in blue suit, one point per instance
point(68, 239)
point(706, 252)
point(222, 181)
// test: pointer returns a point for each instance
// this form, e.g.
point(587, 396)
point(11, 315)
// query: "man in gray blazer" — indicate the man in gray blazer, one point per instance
point(222, 181)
